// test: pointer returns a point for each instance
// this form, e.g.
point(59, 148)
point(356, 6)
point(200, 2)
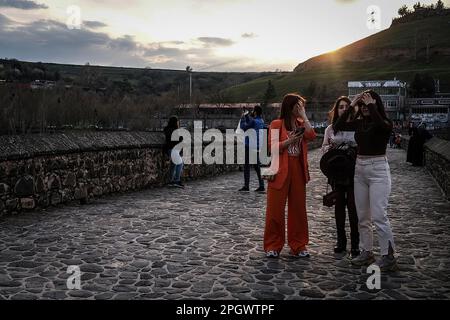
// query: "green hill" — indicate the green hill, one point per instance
point(132, 80)
point(399, 51)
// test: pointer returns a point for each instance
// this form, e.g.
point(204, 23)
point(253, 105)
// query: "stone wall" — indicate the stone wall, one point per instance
point(37, 171)
point(437, 161)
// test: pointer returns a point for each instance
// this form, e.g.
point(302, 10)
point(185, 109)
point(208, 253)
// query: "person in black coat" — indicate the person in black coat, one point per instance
point(418, 138)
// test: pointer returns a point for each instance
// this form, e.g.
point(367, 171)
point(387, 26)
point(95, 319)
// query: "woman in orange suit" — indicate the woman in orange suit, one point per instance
point(290, 181)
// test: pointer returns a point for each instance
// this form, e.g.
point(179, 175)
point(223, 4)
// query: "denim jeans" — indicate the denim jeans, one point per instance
point(257, 167)
point(372, 188)
point(176, 167)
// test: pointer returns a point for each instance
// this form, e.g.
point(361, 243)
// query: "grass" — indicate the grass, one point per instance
point(334, 69)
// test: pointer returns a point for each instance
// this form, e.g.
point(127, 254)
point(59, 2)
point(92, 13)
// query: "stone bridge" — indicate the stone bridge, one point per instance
point(205, 242)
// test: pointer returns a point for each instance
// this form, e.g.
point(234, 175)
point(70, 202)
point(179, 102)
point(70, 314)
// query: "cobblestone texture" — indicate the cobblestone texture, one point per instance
point(205, 242)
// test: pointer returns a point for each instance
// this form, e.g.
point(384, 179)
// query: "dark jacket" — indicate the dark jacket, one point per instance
point(169, 144)
point(257, 123)
point(371, 135)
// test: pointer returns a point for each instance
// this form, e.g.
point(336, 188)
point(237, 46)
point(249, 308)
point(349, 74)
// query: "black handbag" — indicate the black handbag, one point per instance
point(330, 198)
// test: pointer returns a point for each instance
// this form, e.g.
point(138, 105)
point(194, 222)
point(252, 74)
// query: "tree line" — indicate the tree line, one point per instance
point(420, 11)
point(101, 97)
point(24, 110)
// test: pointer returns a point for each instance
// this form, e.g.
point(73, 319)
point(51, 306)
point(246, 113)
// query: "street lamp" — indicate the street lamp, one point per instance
point(189, 70)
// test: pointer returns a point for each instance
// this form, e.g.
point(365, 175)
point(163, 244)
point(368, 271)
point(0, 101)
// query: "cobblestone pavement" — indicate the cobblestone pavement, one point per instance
point(205, 242)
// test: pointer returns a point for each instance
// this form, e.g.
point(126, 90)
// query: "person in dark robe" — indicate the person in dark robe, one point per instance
point(418, 138)
point(412, 145)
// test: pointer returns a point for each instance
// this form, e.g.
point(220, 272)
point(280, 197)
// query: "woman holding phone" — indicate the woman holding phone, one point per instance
point(372, 181)
point(290, 133)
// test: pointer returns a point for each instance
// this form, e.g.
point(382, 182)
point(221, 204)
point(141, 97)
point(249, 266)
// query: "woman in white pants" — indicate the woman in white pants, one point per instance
point(372, 180)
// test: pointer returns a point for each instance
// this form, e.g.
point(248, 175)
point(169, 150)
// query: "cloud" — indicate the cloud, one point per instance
point(94, 24)
point(159, 49)
point(4, 20)
point(172, 42)
point(164, 54)
point(125, 42)
point(215, 41)
point(22, 4)
point(51, 41)
point(346, 1)
point(249, 35)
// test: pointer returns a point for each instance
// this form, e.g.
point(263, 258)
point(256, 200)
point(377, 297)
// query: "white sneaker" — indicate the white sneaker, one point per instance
point(272, 254)
point(303, 254)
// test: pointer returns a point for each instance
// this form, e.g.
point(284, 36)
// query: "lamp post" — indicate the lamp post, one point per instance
point(189, 70)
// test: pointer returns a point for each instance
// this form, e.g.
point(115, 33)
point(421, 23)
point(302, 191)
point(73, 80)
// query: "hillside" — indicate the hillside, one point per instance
point(399, 51)
point(131, 80)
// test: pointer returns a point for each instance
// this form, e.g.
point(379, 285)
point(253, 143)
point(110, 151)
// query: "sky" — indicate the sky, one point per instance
point(208, 35)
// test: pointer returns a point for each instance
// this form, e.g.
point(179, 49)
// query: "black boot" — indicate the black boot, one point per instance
point(354, 253)
point(340, 247)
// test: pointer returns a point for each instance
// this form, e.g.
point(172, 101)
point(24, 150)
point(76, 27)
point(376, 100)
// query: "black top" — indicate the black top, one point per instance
point(169, 143)
point(371, 134)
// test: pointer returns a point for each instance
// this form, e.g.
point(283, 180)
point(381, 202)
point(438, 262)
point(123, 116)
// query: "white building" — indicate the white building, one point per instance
point(392, 92)
point(435, 112)
point(42, 84)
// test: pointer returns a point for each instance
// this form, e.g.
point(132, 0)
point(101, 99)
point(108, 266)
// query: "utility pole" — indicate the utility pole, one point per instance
point(189, 70)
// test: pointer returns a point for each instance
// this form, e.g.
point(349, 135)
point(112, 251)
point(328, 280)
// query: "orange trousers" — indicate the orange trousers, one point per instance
point(293, 190)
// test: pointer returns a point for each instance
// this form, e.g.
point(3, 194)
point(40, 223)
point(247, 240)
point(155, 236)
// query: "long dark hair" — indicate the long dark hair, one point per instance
point(333, 114)
point(379, 103)
point(173, 123)
point(289, 101)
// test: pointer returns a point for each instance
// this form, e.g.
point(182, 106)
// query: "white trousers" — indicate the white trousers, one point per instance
point(372, 189)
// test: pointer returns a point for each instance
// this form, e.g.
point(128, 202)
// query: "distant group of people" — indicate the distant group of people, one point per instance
point(418, 135)
point(396, 136)
point(360, 130)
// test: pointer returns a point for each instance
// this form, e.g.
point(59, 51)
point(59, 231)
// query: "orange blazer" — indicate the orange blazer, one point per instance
point(282, 173)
